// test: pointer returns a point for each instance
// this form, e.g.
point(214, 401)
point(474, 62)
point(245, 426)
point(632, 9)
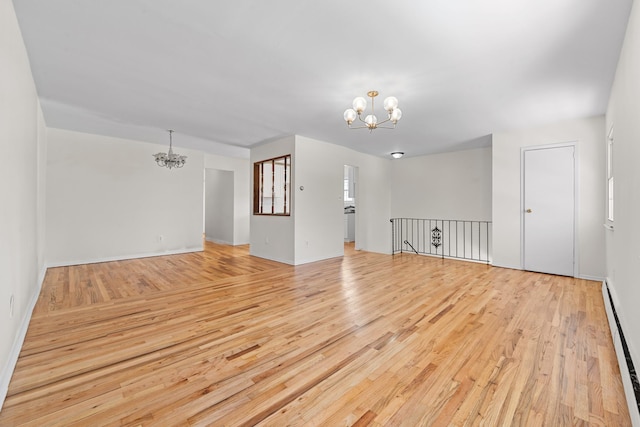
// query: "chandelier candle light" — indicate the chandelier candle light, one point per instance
point(170, 160)
point(371, 121)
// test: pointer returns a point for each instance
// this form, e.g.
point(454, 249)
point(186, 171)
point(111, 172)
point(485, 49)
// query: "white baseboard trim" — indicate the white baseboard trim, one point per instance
point(223, 242)
point(588, 277)
point(316, 259)
point(12, 360)
point(43, 272)
point(276, 259)
point(511, 267)
point(579, 276)
point(123, 257)
point(632, 404)
point(218, 241)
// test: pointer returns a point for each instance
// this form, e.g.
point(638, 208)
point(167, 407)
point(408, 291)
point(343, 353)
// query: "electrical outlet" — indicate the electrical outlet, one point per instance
point(11, 301)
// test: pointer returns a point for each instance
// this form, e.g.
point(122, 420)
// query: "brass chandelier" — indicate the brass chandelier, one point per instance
point(370, 121)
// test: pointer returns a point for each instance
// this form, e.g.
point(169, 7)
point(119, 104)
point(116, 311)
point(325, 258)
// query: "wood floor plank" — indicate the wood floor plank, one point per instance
point(223, 338)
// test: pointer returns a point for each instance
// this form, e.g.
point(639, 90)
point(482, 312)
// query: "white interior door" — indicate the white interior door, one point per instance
point(549, 204)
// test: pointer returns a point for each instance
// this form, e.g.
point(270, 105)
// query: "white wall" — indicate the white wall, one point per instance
point(218, 206)
point(623, 244)
point(272, 237)
point(373, 197)
point(315, 229)
point(241, 192)
point(41, 201)
point(322, 170)
point(107, 199)
point(453, 185)
point(21, 193)
point(589, 135)
point(319, 209)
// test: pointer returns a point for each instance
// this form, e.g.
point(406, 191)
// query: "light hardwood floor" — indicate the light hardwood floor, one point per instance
point(223, 338)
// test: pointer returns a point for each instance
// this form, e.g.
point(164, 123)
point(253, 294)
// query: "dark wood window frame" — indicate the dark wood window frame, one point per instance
point(272, 186)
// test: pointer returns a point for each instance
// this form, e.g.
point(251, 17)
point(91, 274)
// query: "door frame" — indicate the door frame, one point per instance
point(576, 198)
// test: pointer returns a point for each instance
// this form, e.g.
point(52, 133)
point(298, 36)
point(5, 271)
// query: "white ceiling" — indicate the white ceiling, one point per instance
point(230, 74)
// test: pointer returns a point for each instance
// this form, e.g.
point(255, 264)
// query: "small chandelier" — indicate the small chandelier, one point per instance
point(371, 121)
point(170, 160)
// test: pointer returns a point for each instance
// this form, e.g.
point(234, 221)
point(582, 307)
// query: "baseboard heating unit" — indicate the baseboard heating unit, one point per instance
point(627, 369)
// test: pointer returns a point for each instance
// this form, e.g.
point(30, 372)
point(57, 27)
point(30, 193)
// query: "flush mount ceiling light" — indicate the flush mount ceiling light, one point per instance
point(371, 121)
point(170, 160)
point(397, 154)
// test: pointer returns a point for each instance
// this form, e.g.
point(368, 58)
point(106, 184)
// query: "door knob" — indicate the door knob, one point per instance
point(528, 211)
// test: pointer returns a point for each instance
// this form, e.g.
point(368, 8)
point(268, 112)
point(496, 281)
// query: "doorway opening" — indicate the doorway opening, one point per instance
point(350, 203)
point(218, 206)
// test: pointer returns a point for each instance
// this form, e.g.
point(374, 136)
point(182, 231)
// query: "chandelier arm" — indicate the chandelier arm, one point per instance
point(359, 127)
point(385, 121)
